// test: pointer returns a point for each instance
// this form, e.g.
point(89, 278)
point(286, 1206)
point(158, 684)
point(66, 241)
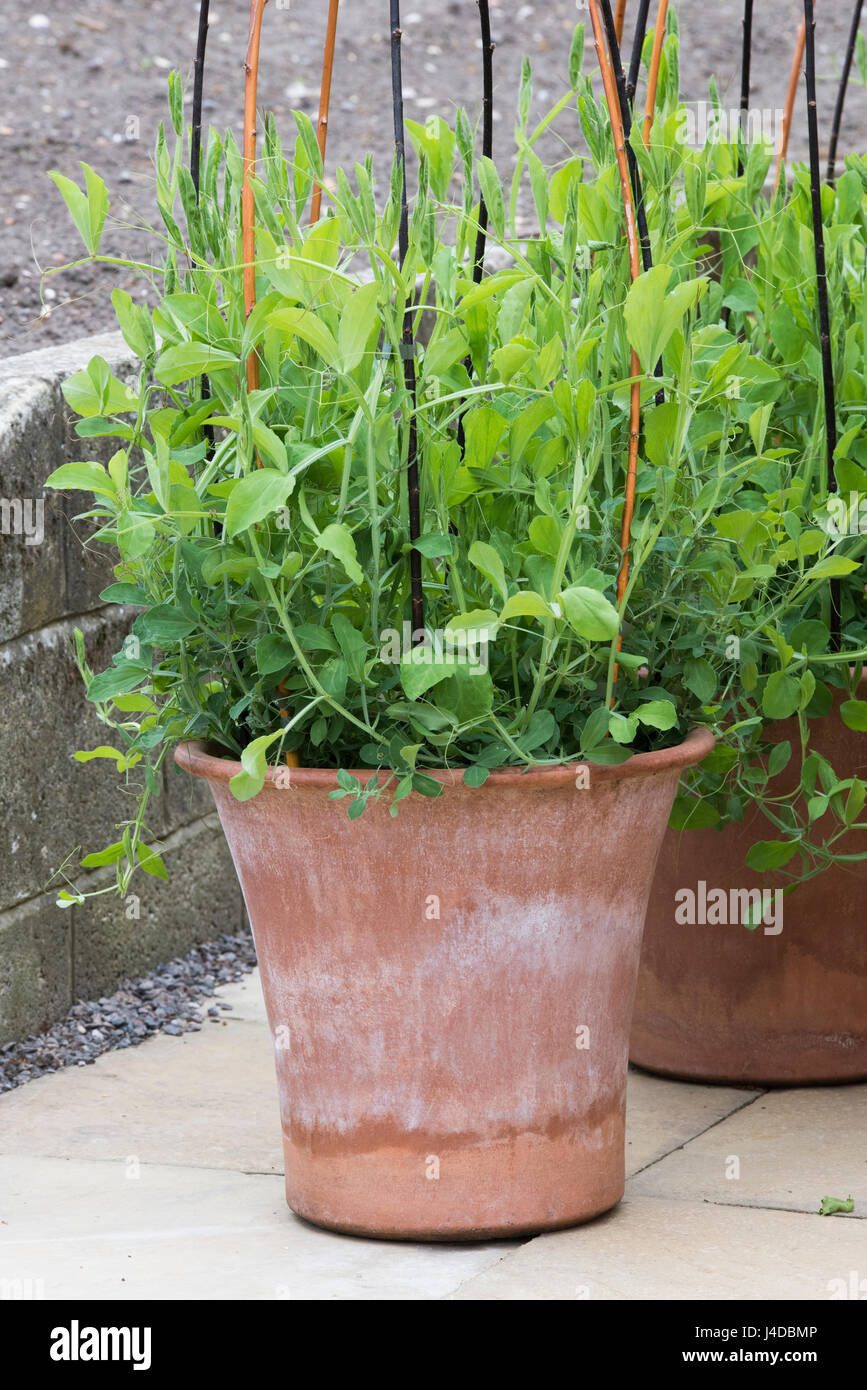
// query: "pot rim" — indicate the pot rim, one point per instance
point(194, 758)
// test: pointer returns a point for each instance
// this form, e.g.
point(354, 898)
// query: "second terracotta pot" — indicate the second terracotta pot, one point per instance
point(782, 1006)
point(450, 991)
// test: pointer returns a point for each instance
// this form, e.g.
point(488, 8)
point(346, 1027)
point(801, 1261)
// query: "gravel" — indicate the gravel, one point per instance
point(168, 1000)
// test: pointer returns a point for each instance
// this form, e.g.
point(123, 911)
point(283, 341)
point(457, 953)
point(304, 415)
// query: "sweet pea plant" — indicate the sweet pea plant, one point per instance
point(263, 531)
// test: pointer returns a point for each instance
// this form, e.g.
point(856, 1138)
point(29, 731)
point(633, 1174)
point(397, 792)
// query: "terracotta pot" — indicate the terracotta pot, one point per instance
point(723, 1003)
point(428, 980)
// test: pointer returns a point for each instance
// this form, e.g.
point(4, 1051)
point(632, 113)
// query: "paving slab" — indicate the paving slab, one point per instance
point(661, 1115)
point(202, 1100)
point(156, 1173)
point(79, 1229)
point(786, 1150)
point(651, 1248)
point(246, 999)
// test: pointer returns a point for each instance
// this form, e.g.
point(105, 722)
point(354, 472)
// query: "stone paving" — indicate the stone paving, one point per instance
point(156, 1173)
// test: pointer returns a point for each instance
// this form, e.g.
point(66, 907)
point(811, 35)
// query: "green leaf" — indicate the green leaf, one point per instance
point(352, 645)
point(126, 593)
point(544, 534)
point(526, 604)
point(700, 677)
point(303, 323)
point(87, 208)
point(357, 324)
point(595, 728)
point(419, 672)
point(492, 192)
point(338, 541)
point(832, 567)
point(484, 429)
point(781, 697)
point(621, 728)
point(653, 313)
point(854, 715)
point(103, 751)
point(811, 636)
point(589, 613)
point(576, 56)
point(83, 477)
point(273, 653)
point(693, 813)
point(658, 714)
point(487, 561)
point(759, 421)
point(134, 322)
point(163, 625)
point(425, 785)
point(834, 1206)
point(742, 297)
point(116, 680)
point(247, 784)
point(432, 546)
point(187, 360)
point(770, 854)
point(780, 758)
point(256, 497)
point(476, 776)
point(112, 854)
point(468, 694)
point(151, 862)
point(309, 141)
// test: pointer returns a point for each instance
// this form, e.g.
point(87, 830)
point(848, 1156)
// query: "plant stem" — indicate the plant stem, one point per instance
point(408, 346)
point(198, 86)
point(626, 122)
point(794, 79)
point(637, 49)
point(487, 150)
point(618, 23)
point(653, 75)
point(746, 61)
point(841, 95)
point(635, 271)
point(324, 100)
point(195, 157)
point(822, 288)
point(635, 177)
point(248, 205)
point(487, 131)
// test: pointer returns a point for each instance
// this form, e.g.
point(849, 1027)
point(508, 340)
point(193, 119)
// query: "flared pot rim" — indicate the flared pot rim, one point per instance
point(194, 757)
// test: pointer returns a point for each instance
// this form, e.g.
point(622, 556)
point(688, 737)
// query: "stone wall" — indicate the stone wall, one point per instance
point(53, 809)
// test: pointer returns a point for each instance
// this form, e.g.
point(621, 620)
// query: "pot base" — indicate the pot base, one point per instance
point(504, 1191)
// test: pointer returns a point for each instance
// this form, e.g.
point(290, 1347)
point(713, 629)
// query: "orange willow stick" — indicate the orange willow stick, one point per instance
point(248, 206)
point(635, 270)
point(653, 75)
point(794, 79)
point(248, 213)
point(619, 18)
point(324, 100)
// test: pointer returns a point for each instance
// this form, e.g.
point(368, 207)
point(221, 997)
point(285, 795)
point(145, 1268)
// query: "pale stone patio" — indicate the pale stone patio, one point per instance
point(155, 1173)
